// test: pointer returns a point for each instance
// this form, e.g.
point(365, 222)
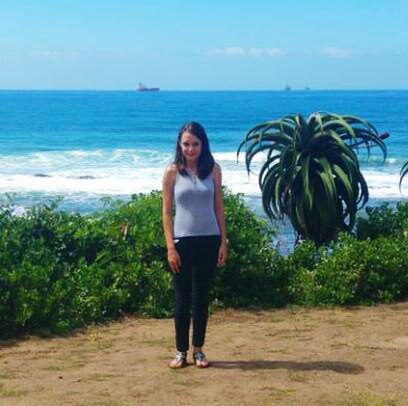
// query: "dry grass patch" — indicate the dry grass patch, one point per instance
point(285, 357)
point(12, 392)
point(372, 399)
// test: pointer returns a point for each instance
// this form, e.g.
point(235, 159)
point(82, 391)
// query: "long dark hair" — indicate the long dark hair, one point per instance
point(205, 160)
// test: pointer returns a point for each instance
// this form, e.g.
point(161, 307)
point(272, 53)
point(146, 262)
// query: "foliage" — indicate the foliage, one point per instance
point(383, 221)
point(251, 276)
point(311, 174)
point(404, 171)
point(60, 270)
point(353, 271)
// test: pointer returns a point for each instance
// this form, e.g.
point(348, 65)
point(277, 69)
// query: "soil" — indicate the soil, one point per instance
point(294, 356)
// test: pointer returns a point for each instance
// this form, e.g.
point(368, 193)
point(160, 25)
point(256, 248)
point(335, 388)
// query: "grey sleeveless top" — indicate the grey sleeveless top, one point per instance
point(194, 201)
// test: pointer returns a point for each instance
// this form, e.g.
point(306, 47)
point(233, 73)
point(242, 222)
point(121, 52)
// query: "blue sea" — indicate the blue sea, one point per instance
point(85, 145)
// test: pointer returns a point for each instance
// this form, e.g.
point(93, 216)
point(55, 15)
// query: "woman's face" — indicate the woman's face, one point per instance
point(190, 146)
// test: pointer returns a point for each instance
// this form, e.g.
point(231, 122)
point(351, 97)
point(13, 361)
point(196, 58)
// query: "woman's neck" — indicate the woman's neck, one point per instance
point(191, 166)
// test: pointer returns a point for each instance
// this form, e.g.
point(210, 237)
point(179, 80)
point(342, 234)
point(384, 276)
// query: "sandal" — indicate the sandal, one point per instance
point(200, 359)
point(180, 361)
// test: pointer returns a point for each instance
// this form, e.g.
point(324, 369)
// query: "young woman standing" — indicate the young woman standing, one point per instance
point(196, 240)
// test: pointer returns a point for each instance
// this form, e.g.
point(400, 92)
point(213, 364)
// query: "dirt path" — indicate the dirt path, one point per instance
point(353, 356)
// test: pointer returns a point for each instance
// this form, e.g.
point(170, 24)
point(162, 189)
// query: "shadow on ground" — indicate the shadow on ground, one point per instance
point(335, 366)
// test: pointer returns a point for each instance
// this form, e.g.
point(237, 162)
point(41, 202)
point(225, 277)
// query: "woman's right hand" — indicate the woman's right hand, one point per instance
point(173, 259)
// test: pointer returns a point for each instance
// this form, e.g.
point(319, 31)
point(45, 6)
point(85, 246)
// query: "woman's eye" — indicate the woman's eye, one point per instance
point(186, 144)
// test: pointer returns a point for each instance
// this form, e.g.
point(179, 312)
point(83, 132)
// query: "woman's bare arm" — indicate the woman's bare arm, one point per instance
point(220, 214)
point(168, 186)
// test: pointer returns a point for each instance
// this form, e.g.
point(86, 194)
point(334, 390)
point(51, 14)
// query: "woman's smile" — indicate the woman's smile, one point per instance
point(190, 146)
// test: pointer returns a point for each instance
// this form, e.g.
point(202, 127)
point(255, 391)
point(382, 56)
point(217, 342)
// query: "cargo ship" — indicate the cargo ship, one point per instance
point(143, 88)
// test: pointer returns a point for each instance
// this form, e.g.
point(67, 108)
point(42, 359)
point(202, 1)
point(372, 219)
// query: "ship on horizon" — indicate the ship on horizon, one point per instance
point(143, 88)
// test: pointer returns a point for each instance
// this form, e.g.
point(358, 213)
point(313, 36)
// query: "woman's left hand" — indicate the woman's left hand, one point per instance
point(222, 254)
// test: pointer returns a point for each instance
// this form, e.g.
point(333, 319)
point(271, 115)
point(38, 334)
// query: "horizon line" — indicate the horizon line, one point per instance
point(305, 89)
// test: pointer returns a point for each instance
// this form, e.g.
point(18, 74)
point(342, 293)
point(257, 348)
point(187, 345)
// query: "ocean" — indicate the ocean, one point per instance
point(85, 145)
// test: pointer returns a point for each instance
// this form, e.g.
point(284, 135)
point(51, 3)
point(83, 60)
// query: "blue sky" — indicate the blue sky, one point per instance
point(204, 45)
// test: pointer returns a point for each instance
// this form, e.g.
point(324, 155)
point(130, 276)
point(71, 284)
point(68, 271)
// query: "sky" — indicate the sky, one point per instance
point(203, 45)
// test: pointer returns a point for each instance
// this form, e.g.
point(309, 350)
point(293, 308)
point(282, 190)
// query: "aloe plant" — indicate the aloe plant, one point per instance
point(404, 171)
point(311, 173)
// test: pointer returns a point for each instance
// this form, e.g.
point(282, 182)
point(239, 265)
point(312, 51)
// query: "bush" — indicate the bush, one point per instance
point(60, 270)
point(251, 276)
point(353, 272)
point(383, 221)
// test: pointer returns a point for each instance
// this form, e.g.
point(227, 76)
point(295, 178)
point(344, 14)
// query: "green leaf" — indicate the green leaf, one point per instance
point(311, 173)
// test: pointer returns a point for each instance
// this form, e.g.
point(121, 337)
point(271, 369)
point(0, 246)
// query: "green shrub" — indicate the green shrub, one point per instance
point(383, 221)
point(60, 271)
point(251, 276)
point(299, 266)
point(353, 271)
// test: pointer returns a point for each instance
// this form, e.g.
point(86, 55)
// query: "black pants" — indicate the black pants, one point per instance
point(199, 257)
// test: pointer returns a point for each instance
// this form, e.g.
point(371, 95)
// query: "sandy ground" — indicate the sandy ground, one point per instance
point(297, 356)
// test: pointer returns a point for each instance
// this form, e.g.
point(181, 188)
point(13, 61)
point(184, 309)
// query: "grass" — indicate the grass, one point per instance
point(277, 394)
point(100, 377)
point(371, 399)
point(6, 392)
point(64, 365)
point(108, 402)
point(297, 376)
point(7, 375)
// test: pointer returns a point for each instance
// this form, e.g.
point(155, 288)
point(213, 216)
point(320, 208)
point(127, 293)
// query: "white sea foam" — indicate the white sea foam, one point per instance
point(122, 172)
point(119, 182)
point(232, 157)
point(82, 154)
point(383, 185)
point(127, 180)
point(52, 162)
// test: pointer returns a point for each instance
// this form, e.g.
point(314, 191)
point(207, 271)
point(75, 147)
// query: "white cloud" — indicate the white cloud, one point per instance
point(234, 51)
point(329, 51)
point(43, 54)
point(341, 53)
point(275, 52)
point(337, 53)
point(255, 52)
point(251, 52)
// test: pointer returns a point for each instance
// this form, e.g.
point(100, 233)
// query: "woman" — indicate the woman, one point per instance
point(196, 242)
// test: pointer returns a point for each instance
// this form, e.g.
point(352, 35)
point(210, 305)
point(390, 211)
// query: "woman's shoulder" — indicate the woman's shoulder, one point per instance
point(216, 169)
point(216, 174)
point(170, 171)
point(171, 168)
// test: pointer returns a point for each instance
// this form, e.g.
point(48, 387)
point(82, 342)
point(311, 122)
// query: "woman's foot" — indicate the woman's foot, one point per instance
point(180, 361)
point(200, 359)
